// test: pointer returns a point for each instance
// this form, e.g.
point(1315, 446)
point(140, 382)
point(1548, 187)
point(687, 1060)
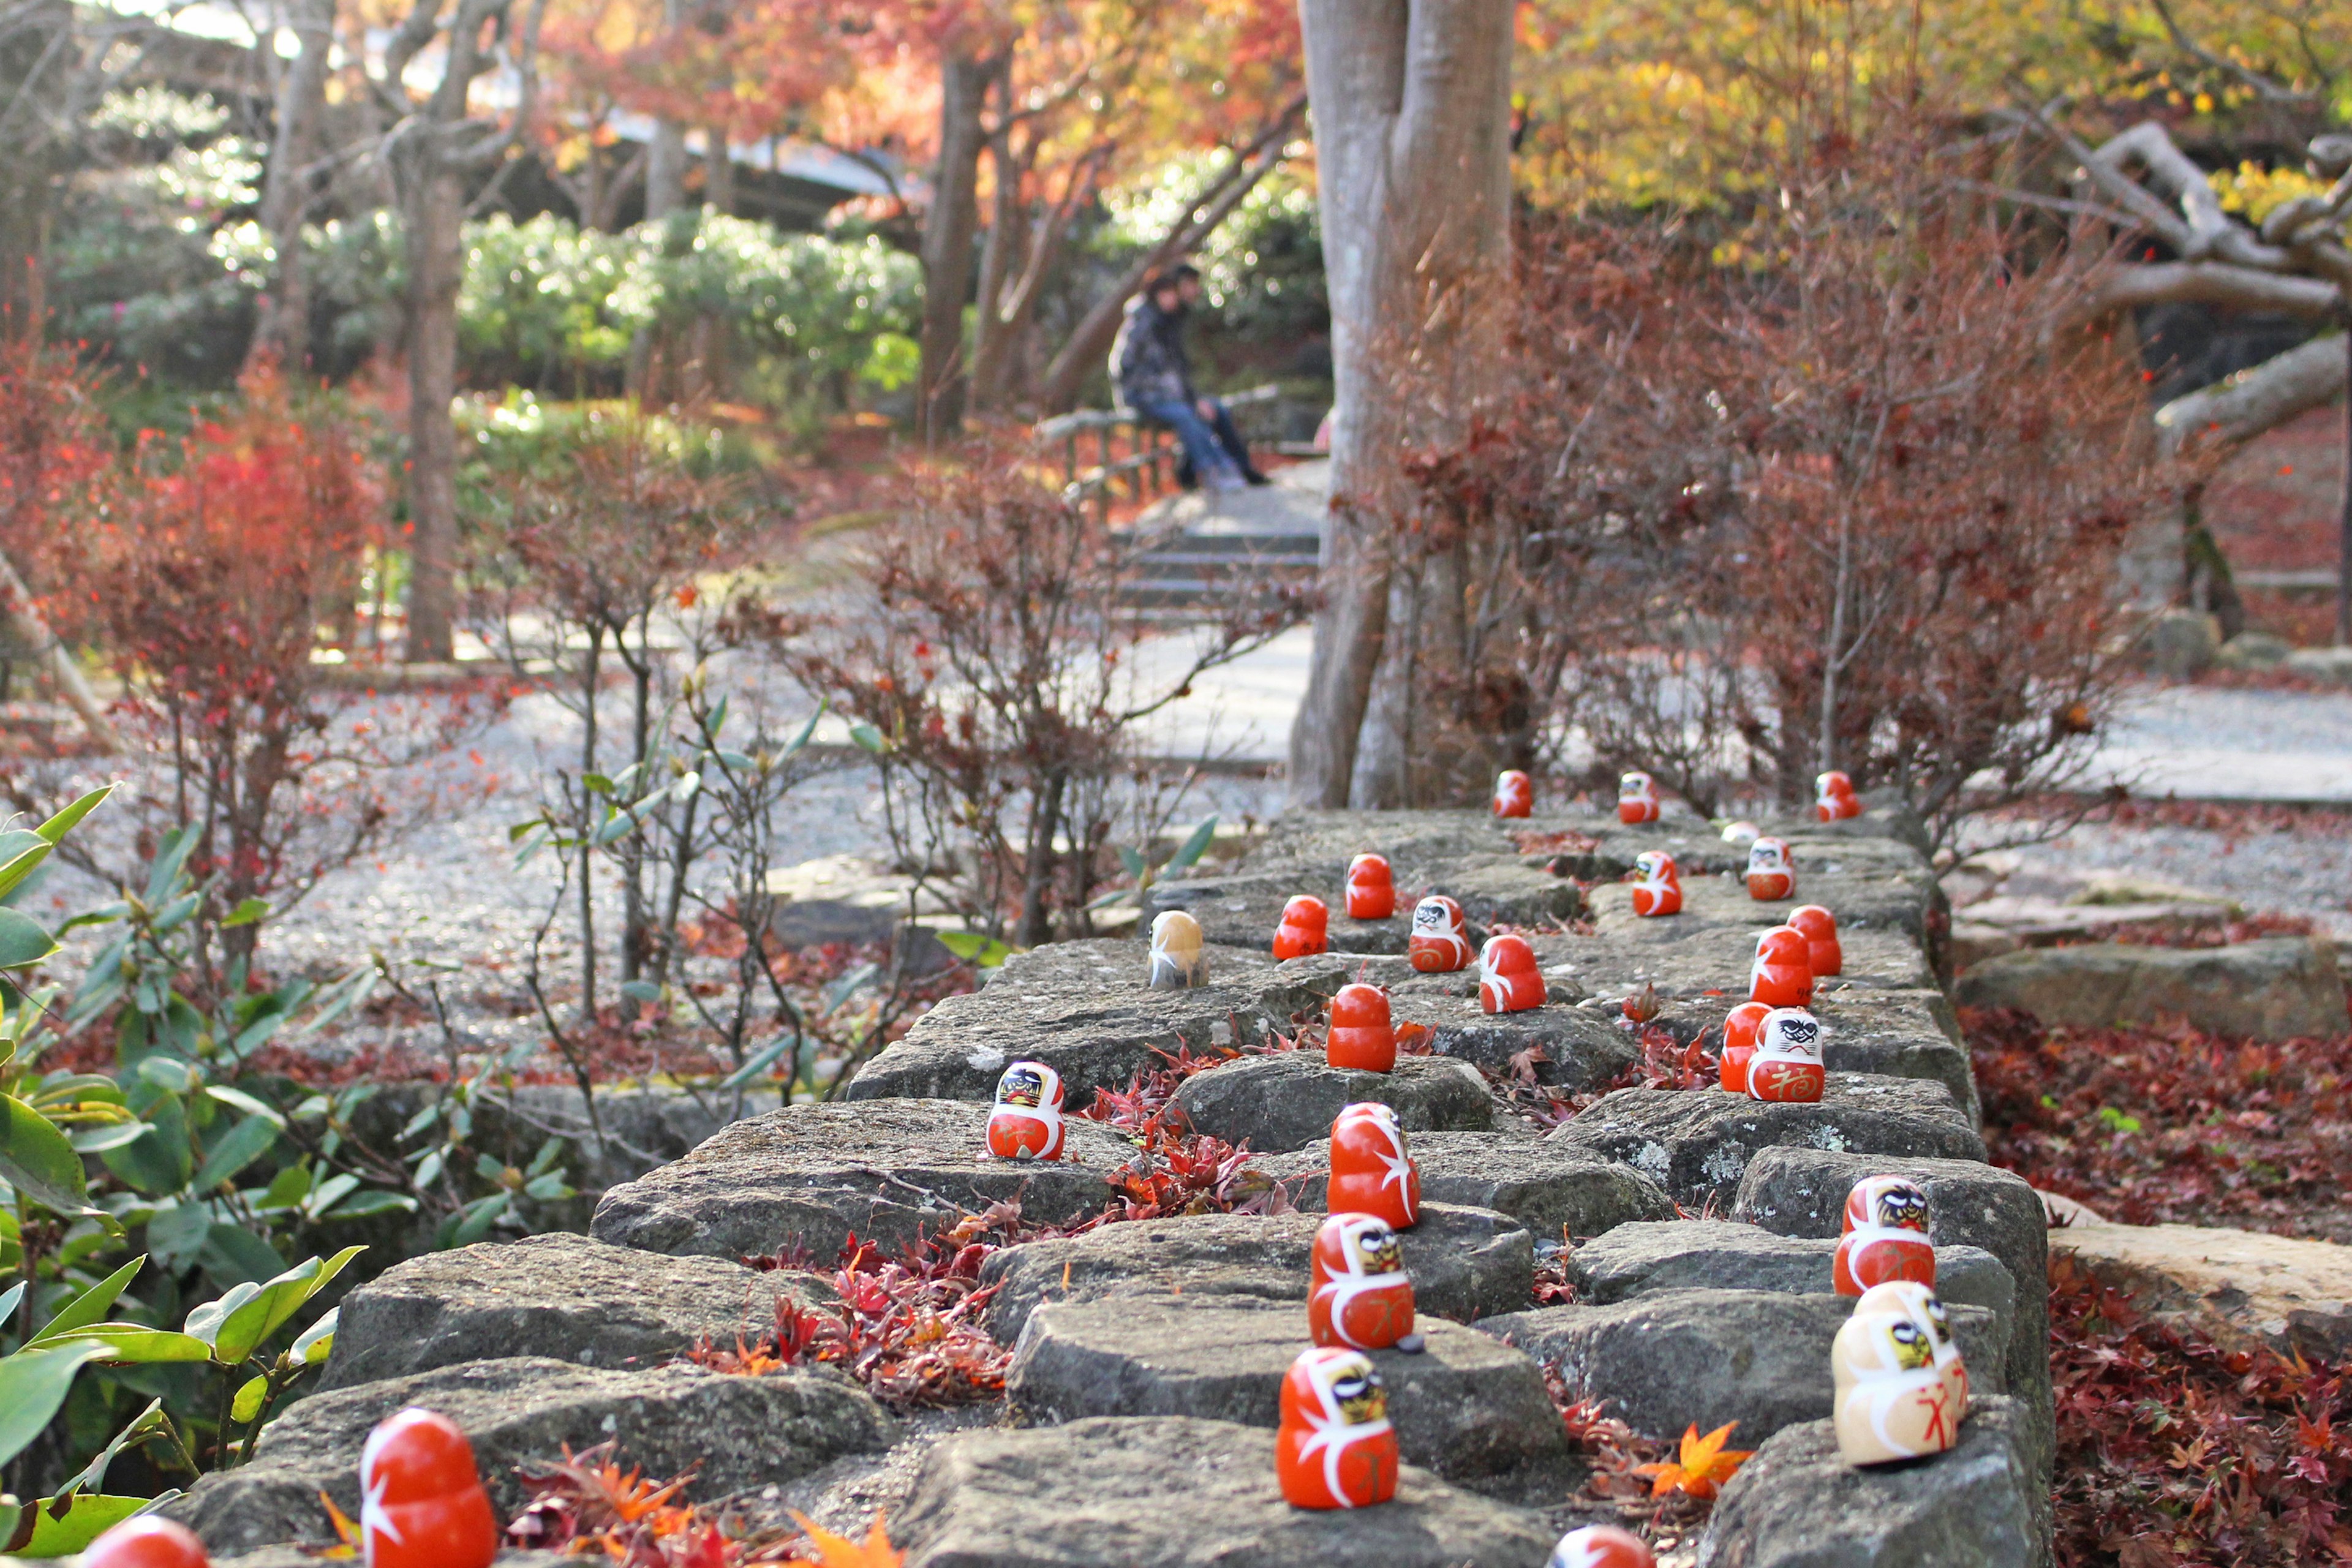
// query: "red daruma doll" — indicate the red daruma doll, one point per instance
point(1305, 929)
point(1440, 942)
point(1361, 1037)
point(1601, 1546)
point(1886, 1236)
point(1515, 794)
point(1637, 799)
point(1027, 1124)
point(1508, 980)
point(1371, 888)
point(421, 1503)
point(1834, 798)
point(1334, 1447)
point(1657, 887)
point(1824, 956)
point(1782, 974)
point(147, 1542)
point(1771, 870)
point(1358, 1295)
point(1739, 1043)
point(1787, 1065)
point(1370, 1172)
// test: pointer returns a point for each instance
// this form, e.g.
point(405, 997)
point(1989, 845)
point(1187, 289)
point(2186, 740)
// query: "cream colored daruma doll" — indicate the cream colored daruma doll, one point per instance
point(1902, 1390)
point(1515, 794)
point(1178, 961)
point(1358, 1296)
point(1771, 870)
point(1637, 799)
point(1787, 1065)
point(1886, 1236)
point(1657, 887)
point(1440, 942)
point(1334, 1446)
point(1027, 1121)
point(1601, 1546)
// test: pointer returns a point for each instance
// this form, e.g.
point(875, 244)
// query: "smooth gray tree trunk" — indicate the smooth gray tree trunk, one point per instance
point(436, 204)
point(284, 330)
point(948, 232)
point(1412, 111)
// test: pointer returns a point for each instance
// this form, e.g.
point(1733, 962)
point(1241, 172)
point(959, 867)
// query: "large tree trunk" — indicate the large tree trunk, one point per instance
point(284, 328)
point(717, 174)
point(434, 200)
point(1411, 106)
point(948, 230)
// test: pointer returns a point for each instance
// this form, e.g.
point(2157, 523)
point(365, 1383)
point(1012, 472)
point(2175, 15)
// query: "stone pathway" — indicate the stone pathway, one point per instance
point(1145, 1354)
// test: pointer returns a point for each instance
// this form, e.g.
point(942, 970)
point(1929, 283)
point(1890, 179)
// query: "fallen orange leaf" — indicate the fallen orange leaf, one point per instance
point(1703, 1465)
point(347, 1534)
point(840, 1552)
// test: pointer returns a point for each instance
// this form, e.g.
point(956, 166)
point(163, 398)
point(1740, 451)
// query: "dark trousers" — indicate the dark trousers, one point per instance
point(1204, 441)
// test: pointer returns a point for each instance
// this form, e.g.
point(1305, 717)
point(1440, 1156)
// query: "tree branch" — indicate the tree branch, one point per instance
point(2240, 407)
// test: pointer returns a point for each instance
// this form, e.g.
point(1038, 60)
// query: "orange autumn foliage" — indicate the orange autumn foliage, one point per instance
point(1701, 1467)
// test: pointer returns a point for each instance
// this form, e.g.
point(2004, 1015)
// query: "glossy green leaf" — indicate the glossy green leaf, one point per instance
point(148, 1423)
point(241, 1329)
point(33, 1386)
point(57, 827)
point(160, 1161)
point(642, 991)
point(98, 1139)
point(249, 912)
point(91, 1306)
point(286, 1189)
point(317, 1342)
point(246, 1103)
point(246, 1403)
point(244, 1143)
point(478, 1218)
point(37, 1158)
point(176, 1235)
point(233, 1252)
point(1194, 846)
point(164, 873)
point(758, 1062)
point(366, 1204)
point(9, 1299)
point(86, 1518)
point(866, 738)
point(22, 859)
point(137, 1344)
point(24, 940)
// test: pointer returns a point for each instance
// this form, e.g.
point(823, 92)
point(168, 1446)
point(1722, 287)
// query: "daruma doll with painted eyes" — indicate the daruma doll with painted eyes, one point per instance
point(1787, 1065)
point(1657, 885)
point(1440, 942)
point(1902, 1388)
point(1886, 1236)
point(1358, 1296)
point(1637, 799)
point(1771, 870)
point(1027, 1124)
point(1334, 1446)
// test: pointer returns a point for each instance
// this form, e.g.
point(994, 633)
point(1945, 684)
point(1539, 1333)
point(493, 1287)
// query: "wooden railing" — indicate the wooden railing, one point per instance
point(1128, 449)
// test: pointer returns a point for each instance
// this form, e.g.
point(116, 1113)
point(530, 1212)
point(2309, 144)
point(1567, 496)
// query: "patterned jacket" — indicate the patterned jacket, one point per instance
point(1147, 361)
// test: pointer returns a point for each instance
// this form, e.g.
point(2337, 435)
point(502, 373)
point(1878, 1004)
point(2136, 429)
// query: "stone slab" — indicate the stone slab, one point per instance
point(1179, 1492)
point(1642, 1259)
point(2277, 988)
point(1243, 908)
point(1289, 1099)
point(1795, 1504)
point(742, 1431)
point(1556, 1190)
point(1696, 1144)
point(2241, 1288)
point(1083, 1008)
point(1465, 1263)
point(809, 1175)
point(560, 1296)
point(1468, 1406)
point(1761, 1358)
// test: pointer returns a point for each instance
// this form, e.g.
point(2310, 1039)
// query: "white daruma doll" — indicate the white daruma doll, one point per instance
point(1334, 1446)
point(1787, 1067)
point(1440, 942)
point(1358, 1295)
point(1902, 1388)
point(1886, 1236)
point(1179, 963)
point(1027, 1124)
point(1657, 887)
point(1637, 799)
point(1771, 870)
point(1515, 794)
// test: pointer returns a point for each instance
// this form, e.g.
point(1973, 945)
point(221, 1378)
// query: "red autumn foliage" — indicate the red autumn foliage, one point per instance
point(2151, 1126)
point(587, 1504)
point(2172, 1451)
point(1666, 1063)
point(57, 468)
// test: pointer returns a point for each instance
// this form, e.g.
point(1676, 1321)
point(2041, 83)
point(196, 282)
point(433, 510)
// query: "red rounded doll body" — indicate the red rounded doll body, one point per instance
point(1601, 1546)
point(1833, 797)
point(1824, 956)
point(1361, 1037)
point(1371, 888)
point(421, 1503)
point(1739, 1043)
point(1771, 870)
point(1787, 1065)
point(1305, 928)
point(1440, 942)
point(1372, 1173)
point(147, 1542)
point(1886, 1236)
point(1637, 799)
point(1027, 1124)
point(1334, 1446)
point(1657, 885)
point(1515, 794)
point(1508, 980)
point(1358, 1295)
point(1782, 973)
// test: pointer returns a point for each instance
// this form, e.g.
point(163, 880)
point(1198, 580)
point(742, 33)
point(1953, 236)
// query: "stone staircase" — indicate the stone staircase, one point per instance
point(1199, 550)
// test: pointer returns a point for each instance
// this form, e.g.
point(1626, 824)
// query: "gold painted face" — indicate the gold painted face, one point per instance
point(1021, 1087)
point(1903, 1207)
point(1910, 1343)
point(1378, 1251)
point(1356, 1390)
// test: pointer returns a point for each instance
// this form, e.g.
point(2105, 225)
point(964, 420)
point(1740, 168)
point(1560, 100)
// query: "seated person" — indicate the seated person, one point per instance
point(1149, 369)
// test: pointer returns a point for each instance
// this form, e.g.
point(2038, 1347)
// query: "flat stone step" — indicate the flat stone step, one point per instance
point(1469, 1407)
point(1289, 1099)
point(2242, 1287)
point(1243, 910)
point(2276, 988)
point(1761, 1358)
point(1556, 1190)
point(1180, 1492)
point(887, 1170)
point(1645, 1257)
point(1465, 1263)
